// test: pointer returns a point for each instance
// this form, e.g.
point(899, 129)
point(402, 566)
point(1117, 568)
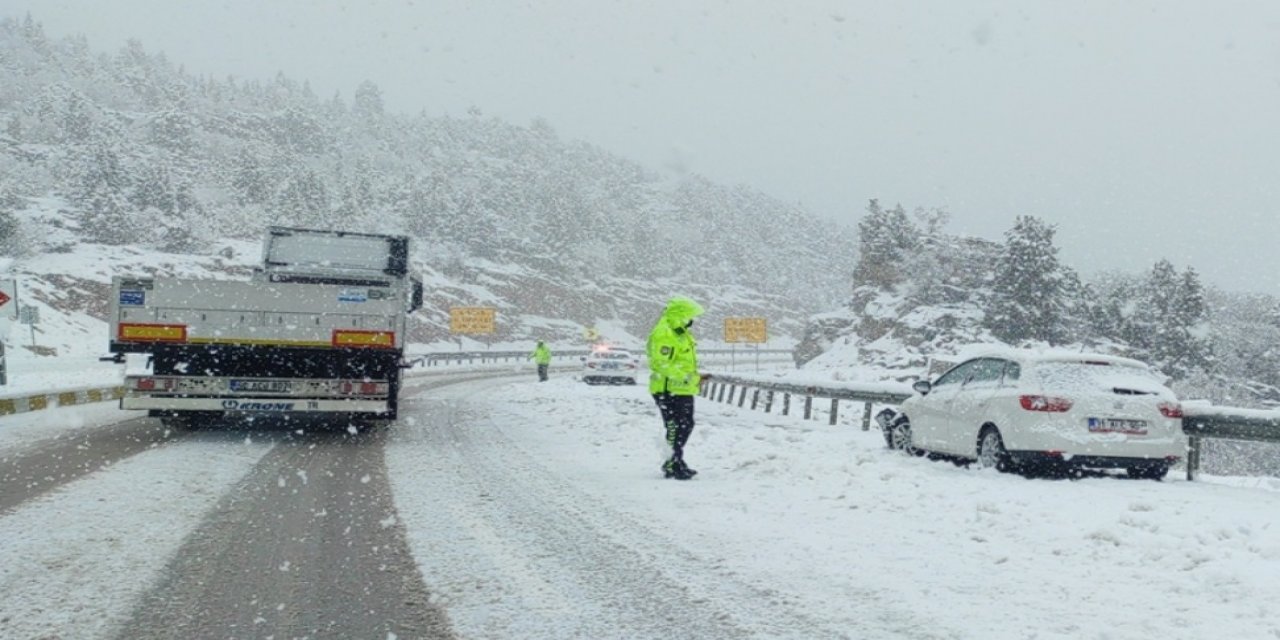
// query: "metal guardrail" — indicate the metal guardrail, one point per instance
point(1218, 423)
point(441, 357)
point(1222, 423)
point(64, 398)
point(720, 385)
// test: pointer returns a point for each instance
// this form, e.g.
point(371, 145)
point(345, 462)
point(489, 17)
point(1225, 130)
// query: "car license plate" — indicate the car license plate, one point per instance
point(1118, 425)
point(270, 386)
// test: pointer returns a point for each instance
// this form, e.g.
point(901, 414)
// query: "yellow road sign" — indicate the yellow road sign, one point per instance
point(472, 320)
point(752, 330)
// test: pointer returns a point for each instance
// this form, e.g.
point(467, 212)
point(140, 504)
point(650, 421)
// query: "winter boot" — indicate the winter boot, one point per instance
point(670, 468)
point(684, 469)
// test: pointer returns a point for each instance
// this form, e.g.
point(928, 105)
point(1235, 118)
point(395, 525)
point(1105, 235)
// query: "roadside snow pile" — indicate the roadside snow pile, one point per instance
point(834, 523)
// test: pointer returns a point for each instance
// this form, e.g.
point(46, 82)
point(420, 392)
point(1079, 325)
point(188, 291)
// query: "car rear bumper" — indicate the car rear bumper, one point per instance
point(1054, 458)
point(615, 378)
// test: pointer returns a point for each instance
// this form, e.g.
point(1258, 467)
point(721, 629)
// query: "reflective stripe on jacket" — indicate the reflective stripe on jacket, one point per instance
point(672, 351)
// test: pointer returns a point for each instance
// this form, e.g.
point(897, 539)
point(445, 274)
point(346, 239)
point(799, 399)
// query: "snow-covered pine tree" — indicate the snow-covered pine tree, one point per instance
point(1029, 302)
point(886, 238)
point(1164, 326)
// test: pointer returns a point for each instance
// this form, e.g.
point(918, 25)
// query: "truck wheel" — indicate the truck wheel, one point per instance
point(177, 423)
point(393, 397)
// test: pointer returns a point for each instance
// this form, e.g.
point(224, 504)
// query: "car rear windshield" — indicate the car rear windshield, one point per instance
point(1097, 375)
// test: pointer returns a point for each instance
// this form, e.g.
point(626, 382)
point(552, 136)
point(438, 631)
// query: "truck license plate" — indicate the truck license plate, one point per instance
point(270, 386)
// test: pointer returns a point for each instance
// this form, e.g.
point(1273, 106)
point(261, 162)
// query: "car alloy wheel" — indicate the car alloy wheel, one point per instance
point(991, 451)
point(900, 438)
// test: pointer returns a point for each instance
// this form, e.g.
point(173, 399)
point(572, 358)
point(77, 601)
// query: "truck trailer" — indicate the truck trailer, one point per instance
point(319, 329)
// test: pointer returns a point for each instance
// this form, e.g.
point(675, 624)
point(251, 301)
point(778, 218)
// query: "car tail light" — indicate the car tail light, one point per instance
point(1048, 404)
point(1171, 409)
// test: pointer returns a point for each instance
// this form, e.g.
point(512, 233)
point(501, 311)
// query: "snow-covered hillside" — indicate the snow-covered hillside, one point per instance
point(127, 156)
point(70, 288)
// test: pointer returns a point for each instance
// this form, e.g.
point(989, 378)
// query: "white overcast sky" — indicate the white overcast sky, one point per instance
point(1142, 129)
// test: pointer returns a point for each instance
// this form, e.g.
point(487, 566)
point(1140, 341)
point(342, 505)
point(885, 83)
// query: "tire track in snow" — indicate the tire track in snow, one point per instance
point(74, 560)
point(308, 545)
point(516, 551)
point(33, 471)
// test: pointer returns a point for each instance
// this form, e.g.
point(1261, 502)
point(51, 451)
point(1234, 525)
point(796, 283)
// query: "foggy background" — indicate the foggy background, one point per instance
point(1143, 129)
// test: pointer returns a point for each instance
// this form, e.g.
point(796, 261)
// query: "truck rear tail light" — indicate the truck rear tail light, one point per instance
point(364, 339)
point(153, 384)
point(360, 388)
point(1171, 409)
point(1047, 404)
point(152, 332)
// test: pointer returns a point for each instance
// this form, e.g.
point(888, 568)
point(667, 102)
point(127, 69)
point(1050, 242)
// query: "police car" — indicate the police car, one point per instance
point(610, 366)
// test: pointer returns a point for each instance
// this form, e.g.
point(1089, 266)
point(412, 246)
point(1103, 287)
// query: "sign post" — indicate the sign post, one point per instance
point(30, 315)
point(746, 330)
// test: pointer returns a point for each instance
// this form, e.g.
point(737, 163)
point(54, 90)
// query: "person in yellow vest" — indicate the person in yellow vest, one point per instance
point(674, 378)
point(542, 356)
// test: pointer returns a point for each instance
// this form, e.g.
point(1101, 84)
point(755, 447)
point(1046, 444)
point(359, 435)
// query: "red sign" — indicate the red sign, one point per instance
point(4, 298)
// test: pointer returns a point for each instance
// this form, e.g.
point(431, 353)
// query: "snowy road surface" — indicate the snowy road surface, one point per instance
point(505, 508)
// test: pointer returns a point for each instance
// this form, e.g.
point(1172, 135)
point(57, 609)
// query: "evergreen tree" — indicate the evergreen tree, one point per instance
point(1029, 290)
point(1165, 324)
point(366, 105)
point(250, 180)
point(304, 200)
point(886, 238)
point(101, 194)
point(10, 228)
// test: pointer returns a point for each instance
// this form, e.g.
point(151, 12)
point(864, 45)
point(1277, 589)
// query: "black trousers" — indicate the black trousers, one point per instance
point(677, 417)
point(542, 372)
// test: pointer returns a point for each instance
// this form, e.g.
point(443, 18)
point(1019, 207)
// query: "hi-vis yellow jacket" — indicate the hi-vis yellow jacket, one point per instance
point(672, 351)
point(541, 353)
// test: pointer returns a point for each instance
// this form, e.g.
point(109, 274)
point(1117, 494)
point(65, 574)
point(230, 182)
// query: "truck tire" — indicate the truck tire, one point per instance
point(393, 396)
point(177, 423)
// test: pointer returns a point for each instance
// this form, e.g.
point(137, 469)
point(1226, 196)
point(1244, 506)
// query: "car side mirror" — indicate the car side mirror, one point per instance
point(922, 387)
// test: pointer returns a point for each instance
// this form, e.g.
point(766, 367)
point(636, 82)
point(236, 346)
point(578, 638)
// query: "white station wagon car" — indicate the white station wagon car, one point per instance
point(610, 366)
point(1030, 412)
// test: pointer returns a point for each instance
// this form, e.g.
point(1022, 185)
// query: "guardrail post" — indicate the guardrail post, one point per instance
point(720, 398)
point(742, 398)
point(768, 401)
point(1193, 457)
point(808, 407)
point(866, 417)
point(786, 403)
point(755, 399)
point(835, 408)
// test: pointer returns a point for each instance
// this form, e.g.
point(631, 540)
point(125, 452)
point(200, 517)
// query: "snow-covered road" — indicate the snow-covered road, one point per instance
point(506, 508)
